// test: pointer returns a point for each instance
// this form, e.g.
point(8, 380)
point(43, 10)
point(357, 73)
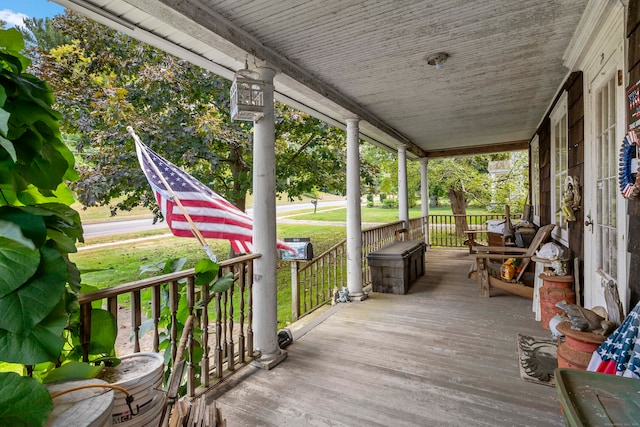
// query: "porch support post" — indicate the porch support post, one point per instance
point(424, 197)
point(354, 215)
point(403, 202)
point(265, 309)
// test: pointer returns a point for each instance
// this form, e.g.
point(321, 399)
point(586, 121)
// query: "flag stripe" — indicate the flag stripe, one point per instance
point(214, 216)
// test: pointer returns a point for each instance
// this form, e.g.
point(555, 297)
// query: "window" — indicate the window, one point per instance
point(535, 180)
point(559, 167)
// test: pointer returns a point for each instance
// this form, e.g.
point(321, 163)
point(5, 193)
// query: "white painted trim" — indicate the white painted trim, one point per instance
point(597, 15)
point(535, 203)
point(602, 60)
point(559, 112)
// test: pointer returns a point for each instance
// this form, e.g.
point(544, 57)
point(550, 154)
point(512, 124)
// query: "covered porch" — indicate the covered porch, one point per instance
point(437, 355)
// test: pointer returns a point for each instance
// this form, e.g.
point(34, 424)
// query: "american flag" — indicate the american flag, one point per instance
point(214, 216)
point(620, 353)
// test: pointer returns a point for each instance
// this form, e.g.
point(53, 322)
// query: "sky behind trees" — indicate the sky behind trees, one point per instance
point(13, 12)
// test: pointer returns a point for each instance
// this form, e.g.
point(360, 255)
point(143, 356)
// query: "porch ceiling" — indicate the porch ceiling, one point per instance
point(342, 58)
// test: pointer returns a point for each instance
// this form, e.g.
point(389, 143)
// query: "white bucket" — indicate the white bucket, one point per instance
point(141, 375)
point(88, 407)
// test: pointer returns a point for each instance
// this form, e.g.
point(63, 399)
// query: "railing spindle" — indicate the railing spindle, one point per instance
point(136, 319)
point(230, 344)
point(218, 348)
point(242, 280)
point(155, 313)
point(173, 308)
point(204, 363)
point(191, 374)
point(250, 313)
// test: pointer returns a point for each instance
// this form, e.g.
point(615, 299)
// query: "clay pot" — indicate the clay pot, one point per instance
point(554, 290)
point(557, 281)
point(578, 347)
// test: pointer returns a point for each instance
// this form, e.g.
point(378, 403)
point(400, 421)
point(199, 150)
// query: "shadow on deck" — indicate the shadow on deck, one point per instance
point(440, 355)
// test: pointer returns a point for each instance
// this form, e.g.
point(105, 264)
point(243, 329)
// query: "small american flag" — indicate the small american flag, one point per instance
point(214, 216)
point(620, 353)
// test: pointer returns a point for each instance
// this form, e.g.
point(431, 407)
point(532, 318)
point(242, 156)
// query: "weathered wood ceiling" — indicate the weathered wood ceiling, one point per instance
point(346, 58)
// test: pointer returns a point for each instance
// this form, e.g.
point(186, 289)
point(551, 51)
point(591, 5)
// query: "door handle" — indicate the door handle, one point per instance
point(588, 222)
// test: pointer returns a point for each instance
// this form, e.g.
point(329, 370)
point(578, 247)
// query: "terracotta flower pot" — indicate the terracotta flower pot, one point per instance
point(553, 290)
point(578, 347)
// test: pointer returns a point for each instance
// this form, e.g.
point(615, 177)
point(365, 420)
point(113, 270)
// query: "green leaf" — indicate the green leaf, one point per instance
point(13, 367)
point(173, 265)
point(12, 231)
point(73, 275)
point(11, 40)
point(22, 309)
point(43, 344)
point(32, 195)
point(72, 371)
point(17, 264)
point(23, 401)
point(206, 271)
point(36, 93)
point(32, 226)
point(3, 96)
point(223, 283)
point(146, 326)
point(63, 242)
point(8, 146)
point(45, 170)
point(104, 331)
point(4, 127)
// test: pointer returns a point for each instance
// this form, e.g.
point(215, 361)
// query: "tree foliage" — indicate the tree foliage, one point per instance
point(106, 81)
point(41, 33)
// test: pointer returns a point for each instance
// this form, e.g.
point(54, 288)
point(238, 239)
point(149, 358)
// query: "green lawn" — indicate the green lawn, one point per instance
point(108, 266)
point(373, 214)
point(103, 213)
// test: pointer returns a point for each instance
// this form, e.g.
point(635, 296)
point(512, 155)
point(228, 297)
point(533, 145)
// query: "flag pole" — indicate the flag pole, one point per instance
point(194, 228)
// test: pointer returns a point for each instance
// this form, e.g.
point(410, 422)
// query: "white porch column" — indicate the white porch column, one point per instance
point(354, 216)
point(403, 202)
point(424, 196)
point(265, 304)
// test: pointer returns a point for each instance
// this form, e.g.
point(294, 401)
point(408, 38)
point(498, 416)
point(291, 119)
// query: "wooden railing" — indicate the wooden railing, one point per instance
point(442, 228)
point(224, 323)
point(313, 282)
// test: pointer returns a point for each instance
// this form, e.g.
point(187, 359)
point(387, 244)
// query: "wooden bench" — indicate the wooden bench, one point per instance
point(396, 266)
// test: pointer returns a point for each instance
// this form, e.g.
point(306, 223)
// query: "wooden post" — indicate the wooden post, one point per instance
point(295, 292)
point(483, 277)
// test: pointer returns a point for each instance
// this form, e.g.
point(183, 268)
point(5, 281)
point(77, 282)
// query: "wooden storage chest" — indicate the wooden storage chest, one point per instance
point(395, 267)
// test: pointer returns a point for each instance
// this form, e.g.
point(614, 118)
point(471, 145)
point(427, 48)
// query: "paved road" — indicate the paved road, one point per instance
point(135, 225)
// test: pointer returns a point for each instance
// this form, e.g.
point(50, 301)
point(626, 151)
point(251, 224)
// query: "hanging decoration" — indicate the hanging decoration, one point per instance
point(571, 197)
point(628, 167)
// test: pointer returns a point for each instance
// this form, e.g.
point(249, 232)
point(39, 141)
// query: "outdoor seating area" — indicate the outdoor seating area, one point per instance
point(487, 270)
point(437, 355)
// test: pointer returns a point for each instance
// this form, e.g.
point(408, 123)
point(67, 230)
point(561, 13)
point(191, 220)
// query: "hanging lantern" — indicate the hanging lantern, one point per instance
point(247, 95)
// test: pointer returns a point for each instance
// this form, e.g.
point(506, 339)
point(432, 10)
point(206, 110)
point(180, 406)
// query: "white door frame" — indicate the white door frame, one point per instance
point(605, 60)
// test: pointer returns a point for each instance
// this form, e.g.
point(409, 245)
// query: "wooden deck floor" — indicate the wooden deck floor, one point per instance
point(440, 355)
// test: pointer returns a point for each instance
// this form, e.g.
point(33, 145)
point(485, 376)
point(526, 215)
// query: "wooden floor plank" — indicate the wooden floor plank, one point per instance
point(440, 355)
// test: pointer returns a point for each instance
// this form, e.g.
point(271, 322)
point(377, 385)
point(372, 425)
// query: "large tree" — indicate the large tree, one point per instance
point(105, 81)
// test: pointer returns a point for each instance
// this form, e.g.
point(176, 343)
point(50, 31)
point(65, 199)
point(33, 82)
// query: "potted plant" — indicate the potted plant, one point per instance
point(38, 229)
